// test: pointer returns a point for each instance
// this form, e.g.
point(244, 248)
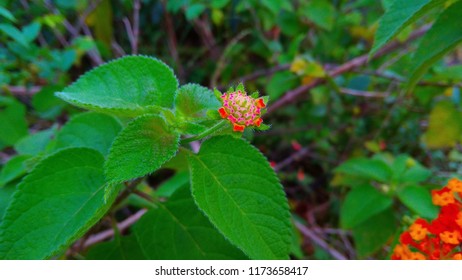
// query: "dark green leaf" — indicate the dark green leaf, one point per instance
point(121, 248)
point(13, 120)
point(91, 130)
point(13, 169)
point(419, 200)
point(370, 169)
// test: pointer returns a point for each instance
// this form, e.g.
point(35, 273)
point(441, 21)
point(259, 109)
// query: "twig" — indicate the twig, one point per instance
point(222, 61)
point(294, 94)
point(321, 243)
point(262, 72)
point(22, 90)
point(172, 43)
point(294, 157)
point(101, 236)
point(362, 93)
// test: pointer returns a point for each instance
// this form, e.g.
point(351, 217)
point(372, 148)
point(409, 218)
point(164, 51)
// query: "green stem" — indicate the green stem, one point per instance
point(221, 124)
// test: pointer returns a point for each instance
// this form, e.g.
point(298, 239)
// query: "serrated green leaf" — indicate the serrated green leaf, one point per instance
point(13, 169)
point(419, 200)
point(370, 169)
point(5, 198)
point(54, 205)
point(235, 186)
point(186, 232)
point(91, 130)
point(192, 101)
point(140, 148)
point(443, 36)
point(360, 204)
point(371, 235)
point(444, 126)
point(130, 86)
point(400, 15)
point(13, 120)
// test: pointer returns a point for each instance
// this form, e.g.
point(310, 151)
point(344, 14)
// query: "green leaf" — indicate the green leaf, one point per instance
point(167, 188)
point(194, 11)
point(141, 148)
point(443, 36)
point(36, 143)
point(91, 130)
point(186, 234)
point(444, 126)
point(400, 15)
point(7, 14)
point(54, 205)
point(121, 248)
point(280, 83)
point(13, 120)
point(371, 235)
point(13, 169)
point(415, 174)
point(14, 34)
point(5, 198)
point(192, 101)
point(360, 204)
point(46, 104)
point(370, 169)
point(130, 86)
point(234, 185)
point(321, 13)
point(31, 31)
point(419, 200)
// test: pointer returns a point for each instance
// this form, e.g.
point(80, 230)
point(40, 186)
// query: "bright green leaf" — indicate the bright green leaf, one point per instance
point(419, 200)
point(131, 86)
point(235, 186)
point(194, 11)
point(141, 148)
point(167, 188)
point(360, 204)
point(5, 198)
point(54, 205)
point(13, 120)
point(443, 36)
point(400, 15)
point(7, 14)
point(370, 169)
point(185, 232)
point(36, 143)
point(13, 169)
point(91, 130)
point(14, 34)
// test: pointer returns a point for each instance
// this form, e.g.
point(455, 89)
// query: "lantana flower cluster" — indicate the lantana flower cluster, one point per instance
point(440, 239)
point(242, 110)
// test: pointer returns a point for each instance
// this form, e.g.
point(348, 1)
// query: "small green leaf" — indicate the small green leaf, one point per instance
point(235, 186)
point(5, 198)
point(370, 169)
point(13, 169)
point(400, 15)
point(443, 36)
point(36, 143)
point(371, 235)
point(186, 234)
point(46, 104)
point(194, 11)
point(54, 205)
point(130, 86)
point(360, 204)
point(419, 200)
point(31, 31)
point(14, 34)
point(444, 126)
point(91, 130)
point(13, 120)
point(140, 148)
point(192, 101)
point(321, 13)
point(7, 14)
point(167, 188)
